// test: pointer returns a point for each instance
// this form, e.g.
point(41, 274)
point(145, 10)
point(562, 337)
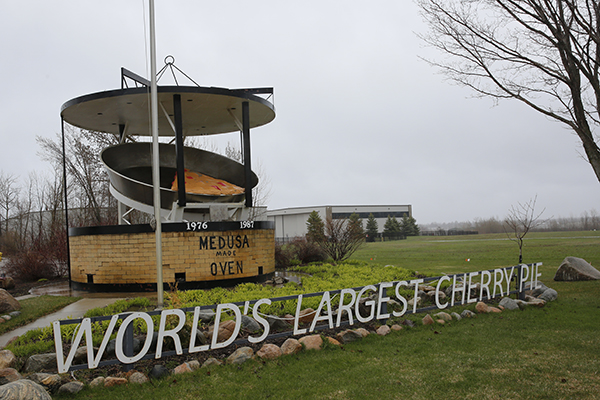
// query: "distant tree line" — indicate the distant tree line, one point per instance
point(587, 221)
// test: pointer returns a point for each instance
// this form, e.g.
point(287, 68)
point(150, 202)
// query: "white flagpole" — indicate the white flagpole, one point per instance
point(155, 159)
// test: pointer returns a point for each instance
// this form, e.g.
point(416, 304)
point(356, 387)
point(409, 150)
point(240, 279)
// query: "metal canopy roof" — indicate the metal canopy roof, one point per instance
point(205, 110)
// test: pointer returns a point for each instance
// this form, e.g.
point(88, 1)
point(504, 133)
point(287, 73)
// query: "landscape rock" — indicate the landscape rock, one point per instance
point(50, 381)
point(211, 361)
point(306, 316)
point(396, 327)
point(194, 364)
point(138, 377)
point(443, 316)
point(409, 323)
point(182, 369)
point(482, 308)
point(333, 341)
point(7, 359)
point(23, 389)
point(427, 320)
point(494, 309)
point(41, 362)
point(362, 331)
point(250, 325)
point(98, 381)
point(7, 302)
point(456, 316)
point(312, 342)
point(110, 381)
point(81, 355)
point(225, 330)
point(9, 375)
point(411, 302)
point(291, 346)
point(269, 351)
point(467, 314)
point(159, 371)
point(509, 304)
point(383, 330)
point(548, 295)
point(277, 324)
point(14, 314)
point(576, 269)
point(348, 336)
point(111, 346)
point(522, 304)
point(201, 338)
point(6, 317)
point(71, 387)
point(536, 302)
point(240, 356)
point(206, 316)
point(537, 291)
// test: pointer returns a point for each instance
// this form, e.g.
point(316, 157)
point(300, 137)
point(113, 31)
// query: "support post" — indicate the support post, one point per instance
point(246, 149)
point(155, 161)
point(66, 206)
point(179, 150)
point(121, 206)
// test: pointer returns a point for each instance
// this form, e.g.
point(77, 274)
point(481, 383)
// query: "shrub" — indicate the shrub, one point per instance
point(299, 251)
point(307, 251)
point(30, 265)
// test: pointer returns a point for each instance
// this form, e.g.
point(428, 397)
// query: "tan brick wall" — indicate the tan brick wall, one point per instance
point(203, 256)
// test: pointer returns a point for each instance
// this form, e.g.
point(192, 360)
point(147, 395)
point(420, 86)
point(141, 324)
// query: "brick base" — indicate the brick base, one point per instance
point(126, 256)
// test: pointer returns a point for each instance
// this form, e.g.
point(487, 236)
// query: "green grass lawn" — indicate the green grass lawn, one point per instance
point(539, 353)
point(36, 307)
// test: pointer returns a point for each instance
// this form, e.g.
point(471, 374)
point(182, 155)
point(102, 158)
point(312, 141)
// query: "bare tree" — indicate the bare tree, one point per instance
point(543, 53)
point(9, 193)
point(262, 191)
point(87, 181)
point(520, 220)
point(342, 238)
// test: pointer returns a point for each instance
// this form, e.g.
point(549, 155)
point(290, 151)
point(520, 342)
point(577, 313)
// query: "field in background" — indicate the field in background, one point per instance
point(456, 254)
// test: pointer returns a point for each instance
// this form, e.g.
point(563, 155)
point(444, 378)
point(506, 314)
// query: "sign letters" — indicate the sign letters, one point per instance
point(491, 283)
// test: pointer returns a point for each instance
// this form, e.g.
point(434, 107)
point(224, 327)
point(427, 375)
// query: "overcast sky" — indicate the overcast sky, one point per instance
point(360, 118)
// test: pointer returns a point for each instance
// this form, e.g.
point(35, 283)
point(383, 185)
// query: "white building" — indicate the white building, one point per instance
point(291, 222)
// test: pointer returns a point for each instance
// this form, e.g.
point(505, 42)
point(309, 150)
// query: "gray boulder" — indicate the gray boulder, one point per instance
point(467, 314)
point(23, 389)
point(50, 381)
point(211, 361)
point(206, 316)
point(71, 387)
point(576, 269)
point(240, 356)
point(249, 324)
point(535, 292)
point(348, 336)
point(41, 362)
point(159, 371)
point(509, 304)
point(111, 346)
point(277, 324)
point(548, 295)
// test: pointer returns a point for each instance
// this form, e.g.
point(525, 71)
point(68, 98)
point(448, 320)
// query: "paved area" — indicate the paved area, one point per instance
point(75, 310)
